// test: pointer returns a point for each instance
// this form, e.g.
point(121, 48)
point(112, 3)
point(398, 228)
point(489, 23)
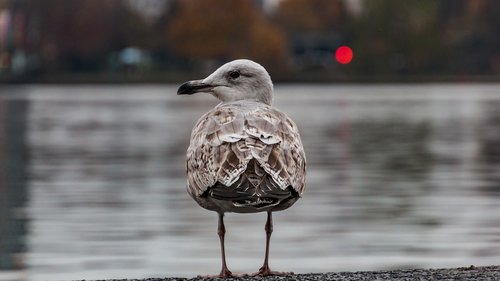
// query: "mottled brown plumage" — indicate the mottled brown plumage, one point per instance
point(250, 152)
point(244, 156)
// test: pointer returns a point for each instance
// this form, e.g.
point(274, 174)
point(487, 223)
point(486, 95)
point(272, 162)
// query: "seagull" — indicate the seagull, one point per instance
point(244, 156)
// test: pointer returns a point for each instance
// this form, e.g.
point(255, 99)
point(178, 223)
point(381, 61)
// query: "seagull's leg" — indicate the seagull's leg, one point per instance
point(269, 231)
point(265, 270)
point(221, 230)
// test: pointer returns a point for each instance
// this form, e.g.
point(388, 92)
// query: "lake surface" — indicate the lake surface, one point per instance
point(93, 182)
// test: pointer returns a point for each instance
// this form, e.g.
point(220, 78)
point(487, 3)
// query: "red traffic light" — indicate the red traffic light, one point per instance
point(343, 54)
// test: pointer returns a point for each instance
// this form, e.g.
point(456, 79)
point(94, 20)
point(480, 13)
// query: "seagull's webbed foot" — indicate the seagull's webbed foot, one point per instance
point(266, 271)
point(224, 273)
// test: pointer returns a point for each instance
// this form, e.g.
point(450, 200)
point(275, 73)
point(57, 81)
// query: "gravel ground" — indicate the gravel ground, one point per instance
point(463, 273)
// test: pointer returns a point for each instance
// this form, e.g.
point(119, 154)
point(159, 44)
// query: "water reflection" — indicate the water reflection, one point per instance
point(399, 176)
point(489, 147)
point(13, 182)
point(393, 160)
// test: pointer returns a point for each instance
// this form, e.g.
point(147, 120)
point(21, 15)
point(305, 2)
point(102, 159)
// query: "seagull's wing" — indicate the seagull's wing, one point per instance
point(211, 156)
point(226, 138)
point(283, 155)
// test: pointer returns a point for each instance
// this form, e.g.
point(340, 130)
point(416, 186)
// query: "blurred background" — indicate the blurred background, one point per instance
point(170, 40)
point(398, 103)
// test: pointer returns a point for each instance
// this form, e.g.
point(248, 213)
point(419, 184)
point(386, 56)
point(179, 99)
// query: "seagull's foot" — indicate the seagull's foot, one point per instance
point(224, 273)
point(266, 271)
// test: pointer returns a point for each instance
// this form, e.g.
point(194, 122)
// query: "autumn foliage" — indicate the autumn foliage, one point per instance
point(225, 29)
point(311, 15)
point(297, 37)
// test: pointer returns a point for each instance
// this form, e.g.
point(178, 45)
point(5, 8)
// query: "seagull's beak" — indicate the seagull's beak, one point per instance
point(193, 87)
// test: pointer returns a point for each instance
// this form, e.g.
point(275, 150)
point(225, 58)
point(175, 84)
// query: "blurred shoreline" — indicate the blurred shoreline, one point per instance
point(179, 77)
point(157, 41)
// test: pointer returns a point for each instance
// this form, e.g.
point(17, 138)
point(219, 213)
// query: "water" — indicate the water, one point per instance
point(398, 176)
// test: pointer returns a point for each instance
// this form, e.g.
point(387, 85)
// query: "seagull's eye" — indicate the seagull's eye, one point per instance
point(234, 74)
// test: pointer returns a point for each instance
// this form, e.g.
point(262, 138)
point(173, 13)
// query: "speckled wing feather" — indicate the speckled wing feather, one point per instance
point(228, 137)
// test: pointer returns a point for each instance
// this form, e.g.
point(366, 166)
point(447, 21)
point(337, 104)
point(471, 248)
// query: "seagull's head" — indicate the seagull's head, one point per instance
point(236, 80)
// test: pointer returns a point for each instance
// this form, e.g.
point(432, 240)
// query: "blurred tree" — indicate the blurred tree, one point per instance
point(397, 37)
point(4, 3)
point(389, 37)
point(311, 15)
point(152, 17)
point(78, 35)
point(490, 20)
point(315, 28)
point(470, 32)
point(225, 29)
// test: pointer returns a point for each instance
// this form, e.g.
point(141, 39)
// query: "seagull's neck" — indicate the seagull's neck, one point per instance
point(268, 100)
point(265, 97)
point(254, 101)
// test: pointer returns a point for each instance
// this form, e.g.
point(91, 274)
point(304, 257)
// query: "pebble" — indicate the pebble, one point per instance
point(463, 273)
